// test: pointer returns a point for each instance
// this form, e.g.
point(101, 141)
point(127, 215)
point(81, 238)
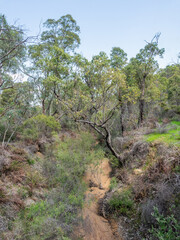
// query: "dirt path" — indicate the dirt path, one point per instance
point(95, 227)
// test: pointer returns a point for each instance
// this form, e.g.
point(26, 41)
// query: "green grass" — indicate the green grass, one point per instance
point(172, 136)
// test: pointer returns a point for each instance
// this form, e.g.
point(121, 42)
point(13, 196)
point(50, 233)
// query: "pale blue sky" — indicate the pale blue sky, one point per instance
point(106, 23)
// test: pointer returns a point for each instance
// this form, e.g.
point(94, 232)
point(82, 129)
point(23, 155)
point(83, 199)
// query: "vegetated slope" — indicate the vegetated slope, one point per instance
point(144, 194)
point(42, 193)
point(42, 188)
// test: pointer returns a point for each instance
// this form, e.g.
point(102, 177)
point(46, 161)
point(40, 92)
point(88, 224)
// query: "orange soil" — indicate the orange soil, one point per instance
point(94, 226)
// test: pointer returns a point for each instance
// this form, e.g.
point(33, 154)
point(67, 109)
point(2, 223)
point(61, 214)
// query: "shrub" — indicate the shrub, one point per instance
point(4, 130)
point(113, 183)
point(114, 161)
point(38, 126)
point(167, 227)
point(34, 178)
point(122, 202)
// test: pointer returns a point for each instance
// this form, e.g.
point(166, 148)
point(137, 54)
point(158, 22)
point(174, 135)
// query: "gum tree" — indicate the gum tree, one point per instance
point(12, 51)
point(51, 60)
point(95, 96)
point(140, 71)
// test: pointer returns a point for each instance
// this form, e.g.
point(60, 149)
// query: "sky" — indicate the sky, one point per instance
point(106, 23)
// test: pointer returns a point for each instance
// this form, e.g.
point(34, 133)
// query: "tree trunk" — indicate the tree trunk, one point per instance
point(141, 111)
point(122, 109)
point(142, 101)
point(105, 133)
point(43, 106)
point(109, 145)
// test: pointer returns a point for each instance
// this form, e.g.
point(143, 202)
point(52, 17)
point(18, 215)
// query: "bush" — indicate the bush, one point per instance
point(38, 126)
point(113, 183)
point(167, 228)
point(4, 129)
point(122, 202)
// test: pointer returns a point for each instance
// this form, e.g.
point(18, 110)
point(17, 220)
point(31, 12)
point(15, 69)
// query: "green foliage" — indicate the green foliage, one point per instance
point(113, 183)
point(140, 72)
point(171, 135)
point(122, 202)
point(177, 169)
point(114, 161)
point(12, 48)
point(31, 161)
point(2, 131)
point(38, 126)
point(98, 92)
point(168, 228)
point(171, 74)
point(34, 178)
point(7, 97)
point(15, 165)
point(73, 155)
point(118, 58)
point(63, 168)
point(66, 35)
point(51, 58)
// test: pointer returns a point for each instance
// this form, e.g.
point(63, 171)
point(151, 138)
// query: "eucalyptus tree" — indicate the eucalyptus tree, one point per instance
point(94, 96)
point(140, 71)
point(169, 78)
point(118, 58)
point(12, 51)
point(118, 61)
point(12, 54)
point(51, 60)
point(16, 105)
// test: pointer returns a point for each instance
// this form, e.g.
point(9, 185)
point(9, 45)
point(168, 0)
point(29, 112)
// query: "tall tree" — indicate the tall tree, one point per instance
point(95, 96)
point(141, 69)
point(63, 33)
point(118, 61)
point(169, 78)
point(118, 58)
point(12, 50)
point(51, 59)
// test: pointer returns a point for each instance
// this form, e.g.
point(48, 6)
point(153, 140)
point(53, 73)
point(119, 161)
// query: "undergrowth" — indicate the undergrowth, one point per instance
point(55, 216)
point(122, 203)
point(169, 134)
point(167, 227)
